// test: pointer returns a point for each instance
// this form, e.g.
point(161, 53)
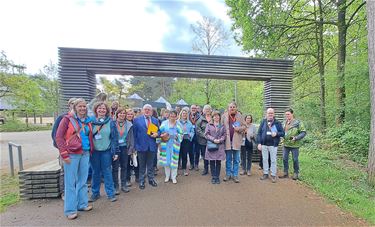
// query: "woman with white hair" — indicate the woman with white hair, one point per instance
point(74, 141)
point(200, 128)
point(187, 139)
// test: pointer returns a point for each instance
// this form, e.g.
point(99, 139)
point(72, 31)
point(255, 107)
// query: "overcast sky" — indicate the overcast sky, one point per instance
point(32, 30)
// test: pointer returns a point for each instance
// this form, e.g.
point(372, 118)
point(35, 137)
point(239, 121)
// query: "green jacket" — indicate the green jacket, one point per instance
point(297, 130)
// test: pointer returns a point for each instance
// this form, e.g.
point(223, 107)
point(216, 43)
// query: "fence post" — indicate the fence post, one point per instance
point(11, 160)
point(20, 161)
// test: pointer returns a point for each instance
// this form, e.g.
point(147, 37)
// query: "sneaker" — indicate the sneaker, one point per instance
point(125, 189)
point(227, 178)
point(242, 172)
point(236, 180)
point(88, 208)
point(128, 184)
point(284, 176)
point(93, 198)
point(196, 168)
point(273, 178)
point(117, 191)
point(205, 172)
point(217, 181)
point(295, 176)
point(249, 173)
point(191, 168)
point(166, 180)
point(264, 177)
point(112, 199)
point(213, 181)
point(174, 181)
point(72, 216)
point(186, 173)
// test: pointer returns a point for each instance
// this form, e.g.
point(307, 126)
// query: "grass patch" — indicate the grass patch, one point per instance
point(341, 183)
point(18, 126)
point(9, 191)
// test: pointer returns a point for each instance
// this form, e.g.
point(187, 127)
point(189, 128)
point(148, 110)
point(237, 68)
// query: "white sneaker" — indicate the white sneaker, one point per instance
point(166, 180)
point(174, 181)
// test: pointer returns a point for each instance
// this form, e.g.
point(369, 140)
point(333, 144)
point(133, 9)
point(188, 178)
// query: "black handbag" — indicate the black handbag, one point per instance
point(211, 146)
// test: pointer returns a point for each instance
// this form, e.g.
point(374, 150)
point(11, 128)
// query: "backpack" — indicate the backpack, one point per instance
point(54, 129)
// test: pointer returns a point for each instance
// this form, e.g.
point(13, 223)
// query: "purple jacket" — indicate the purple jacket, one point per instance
point(211, 134)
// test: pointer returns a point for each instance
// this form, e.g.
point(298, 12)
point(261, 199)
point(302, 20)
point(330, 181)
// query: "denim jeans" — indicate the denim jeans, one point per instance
point(75, 177)
point(246, 157)
point(295, 153)
point(272, 152)
point(121, 162)
point(146, 162)
point(101, 163)
point(232, 162)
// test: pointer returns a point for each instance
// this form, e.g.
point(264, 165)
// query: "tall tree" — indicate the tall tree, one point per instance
point(210, 37)
point(371, 61)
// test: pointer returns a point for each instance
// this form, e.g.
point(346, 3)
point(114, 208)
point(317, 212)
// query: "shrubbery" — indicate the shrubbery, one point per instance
point(18, 126)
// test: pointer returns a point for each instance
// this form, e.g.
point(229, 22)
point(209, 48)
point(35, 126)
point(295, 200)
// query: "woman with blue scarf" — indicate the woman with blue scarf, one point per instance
point(105, 151)
point(74, 141)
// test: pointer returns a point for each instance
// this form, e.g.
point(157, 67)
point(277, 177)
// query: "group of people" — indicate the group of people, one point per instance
point(109, 143)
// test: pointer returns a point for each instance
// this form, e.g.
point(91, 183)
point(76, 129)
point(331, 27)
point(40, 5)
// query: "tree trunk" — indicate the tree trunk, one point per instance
point(27, 120)
point(40, 119)
point(341, 57)
point(321, 66)
point(371, 63)
point(34, 116)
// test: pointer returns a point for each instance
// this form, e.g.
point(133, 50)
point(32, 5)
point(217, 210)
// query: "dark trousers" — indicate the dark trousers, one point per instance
point(246, 157)
point(202, 152)
point(130, 168)
point(121, 162)
point(146, 162)
point(196, 154)
point(186, 147)
point(215, 166)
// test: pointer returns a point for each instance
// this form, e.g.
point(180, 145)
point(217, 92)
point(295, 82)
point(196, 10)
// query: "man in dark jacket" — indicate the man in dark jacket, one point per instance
point(269, 133)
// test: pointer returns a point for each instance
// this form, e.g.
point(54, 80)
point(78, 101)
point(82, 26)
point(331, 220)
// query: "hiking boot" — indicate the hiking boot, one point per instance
point(236, 180)
point(88, 208)
point(112, 199)
point(264, 177)
point(125, 189)
point(93, 198)
point(227, 178)
point(284, 176)
point(273, 178)
point(72, 216)
point(295, 176)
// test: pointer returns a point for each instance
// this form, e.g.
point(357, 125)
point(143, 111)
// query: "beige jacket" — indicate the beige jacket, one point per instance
point(237, 136)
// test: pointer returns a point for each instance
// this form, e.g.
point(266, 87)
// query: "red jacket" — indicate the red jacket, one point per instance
point(64, 132)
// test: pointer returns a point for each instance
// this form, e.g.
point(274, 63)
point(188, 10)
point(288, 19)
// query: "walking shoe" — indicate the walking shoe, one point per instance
point(112, 199)
point(174, 181)
point(249, 173)
point(88, 208)
point(273, 178)
point(284, 176)
point(72, 216)
point(117, 191)
point(205, 172)
point(236, 180)
point(166, 180)
point(191, 168)
point(295, 176)
point(242, 172)
point(226, 178)
point(142, 185)
point(196, 168)
point(153, 183)
point(264, 177)
point(128, 184)
point(217, 181)
point(186, 173)
point(213, 181)
point(125, 189)
point(93, 198)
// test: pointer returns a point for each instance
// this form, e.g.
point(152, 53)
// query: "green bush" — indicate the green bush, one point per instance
point(18, 126)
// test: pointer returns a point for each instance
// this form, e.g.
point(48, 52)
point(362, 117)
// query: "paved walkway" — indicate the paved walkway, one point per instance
point(193, 201)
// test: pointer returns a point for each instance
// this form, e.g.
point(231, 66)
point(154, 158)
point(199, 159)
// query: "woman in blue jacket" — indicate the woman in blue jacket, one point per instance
point(105, 151)
point(187, 139)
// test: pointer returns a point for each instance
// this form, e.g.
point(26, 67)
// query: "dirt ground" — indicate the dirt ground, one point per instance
point(194, 201)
